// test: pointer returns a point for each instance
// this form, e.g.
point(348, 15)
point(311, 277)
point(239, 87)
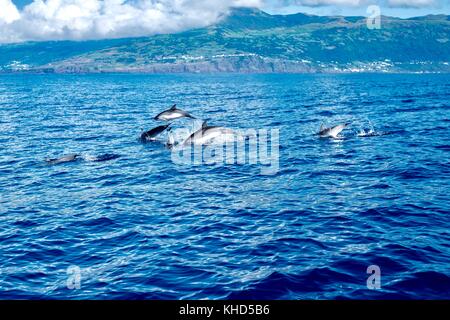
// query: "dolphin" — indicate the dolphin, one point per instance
point(172, 114)
point(64, 159)
point(151, 135)
point(332, 132)
point(103, 157)
point(206, 134)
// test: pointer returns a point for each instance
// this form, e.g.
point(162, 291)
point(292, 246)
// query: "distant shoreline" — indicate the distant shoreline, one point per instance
point(247, 65)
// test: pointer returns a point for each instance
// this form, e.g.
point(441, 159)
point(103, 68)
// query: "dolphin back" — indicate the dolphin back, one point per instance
point(64, 159)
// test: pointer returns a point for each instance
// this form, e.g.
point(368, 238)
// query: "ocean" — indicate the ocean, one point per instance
point(125, 221)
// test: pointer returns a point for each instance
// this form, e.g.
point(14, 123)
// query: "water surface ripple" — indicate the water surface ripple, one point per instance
point(140, 226)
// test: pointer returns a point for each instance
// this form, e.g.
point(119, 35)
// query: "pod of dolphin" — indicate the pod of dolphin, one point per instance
point(203, 136)
point(208, 133)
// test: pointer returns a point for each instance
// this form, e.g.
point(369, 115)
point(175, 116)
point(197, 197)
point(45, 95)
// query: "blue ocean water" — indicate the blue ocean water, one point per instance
point(140, 226)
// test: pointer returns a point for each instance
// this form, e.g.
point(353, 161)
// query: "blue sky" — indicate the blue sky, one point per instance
point(21, 3)
point(43, 20)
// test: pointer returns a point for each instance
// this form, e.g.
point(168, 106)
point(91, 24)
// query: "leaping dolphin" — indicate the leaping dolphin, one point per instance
point(151, 135)
point(206, 134)
point(172, 114)
point(332, 132)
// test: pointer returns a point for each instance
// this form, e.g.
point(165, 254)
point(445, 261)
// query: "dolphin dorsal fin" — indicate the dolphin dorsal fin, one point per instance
point(322, 127)
point(204, 124)
point(173, 107)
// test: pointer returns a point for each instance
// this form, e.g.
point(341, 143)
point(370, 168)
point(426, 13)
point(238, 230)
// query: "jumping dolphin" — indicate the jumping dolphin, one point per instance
point(151, 135)
point(64, 159)
point(332, 132)
point(172, 114)
point(207, 133)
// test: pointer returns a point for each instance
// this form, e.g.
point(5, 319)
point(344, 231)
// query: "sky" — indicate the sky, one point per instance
point(42, 20)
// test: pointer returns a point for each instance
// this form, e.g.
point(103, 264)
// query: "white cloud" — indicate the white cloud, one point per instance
point(95, 19)
point(8, 11)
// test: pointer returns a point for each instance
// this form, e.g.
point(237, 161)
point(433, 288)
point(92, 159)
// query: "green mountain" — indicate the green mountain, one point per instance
point(250, 40)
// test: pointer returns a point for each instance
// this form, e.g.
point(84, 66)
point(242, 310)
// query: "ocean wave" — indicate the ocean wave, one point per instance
point(140, 226)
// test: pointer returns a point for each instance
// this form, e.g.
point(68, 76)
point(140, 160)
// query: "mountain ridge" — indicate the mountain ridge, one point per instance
point(252, 41)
